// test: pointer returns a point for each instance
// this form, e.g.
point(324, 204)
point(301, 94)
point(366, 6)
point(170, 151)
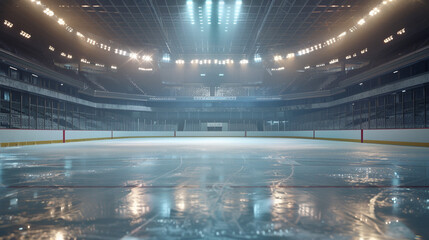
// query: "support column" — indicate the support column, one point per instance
point(10, 109)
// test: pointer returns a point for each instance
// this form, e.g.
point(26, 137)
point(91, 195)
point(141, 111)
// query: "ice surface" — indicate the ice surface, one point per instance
point(227, 188)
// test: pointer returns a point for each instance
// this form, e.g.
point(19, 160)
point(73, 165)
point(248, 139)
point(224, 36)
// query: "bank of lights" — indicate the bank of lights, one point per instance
point(257, 58)
point(120, 52)
point(24, 34)
point(244, 61)
point(278, 58)
point(61, 21)
point(8, 24)
point(210, 61)
point(83, 60)
point(238, 4)
point(388, 39)
point(80, 35)
point(48, 12)
point(190, 5)
point(36, 2)
point(374, 11)
point(278, 69)
point(133, 56)
point(333, 61)
point(400, 32)
point(180, 61)
point(333, 40)
point(147, 58)
point(51, 48)
point(91, 41)
point(99, 65)
point(114, 67)
point(145, 69)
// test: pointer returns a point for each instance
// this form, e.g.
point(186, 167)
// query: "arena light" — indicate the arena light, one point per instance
point(61, 21)
point(290, 55)
point(342, 34)
point(83, 60)
point(348, 57)
point(69, 56)
point(200, 16)
point(63, 54)
point(147, 58)
point(91, 41)
point(48, 12)
point(278, 69)
point(320, 65)
point(238, 4)
point(363, 51)
point(221, 7)
point(51, 48)
point(388, 39)
point(374, 11)
point(114, 67)
point(228, 14)
point(145, 69)
point(209, 4)
point(257, 58)
point(244, 61)
point(190, 6)
point(80, 35)
point(278, 58)
point(24, 34)
point(8, 24)
point(307, 67)
point(361, 22)
point(395, 72)
point(180, 61)
point(333, 61)
point(166, 58)
point(133, 55)
point(400, 32)
point(99, 65)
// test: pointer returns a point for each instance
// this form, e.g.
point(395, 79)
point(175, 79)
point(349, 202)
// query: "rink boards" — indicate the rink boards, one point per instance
point(410, 137)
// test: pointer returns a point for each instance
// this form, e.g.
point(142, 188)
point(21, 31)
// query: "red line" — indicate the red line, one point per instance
point(215, 186)
point(64, 136)
point(361, 135)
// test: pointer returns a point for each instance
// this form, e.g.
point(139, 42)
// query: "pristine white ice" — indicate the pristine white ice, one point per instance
point(228, 188)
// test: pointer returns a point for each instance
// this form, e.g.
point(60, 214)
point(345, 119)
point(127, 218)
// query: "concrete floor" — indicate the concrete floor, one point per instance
point(227, 188)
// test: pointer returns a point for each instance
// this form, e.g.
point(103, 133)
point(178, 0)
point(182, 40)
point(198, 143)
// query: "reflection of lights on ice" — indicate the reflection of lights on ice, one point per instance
point(165, 209)
point(59, 236)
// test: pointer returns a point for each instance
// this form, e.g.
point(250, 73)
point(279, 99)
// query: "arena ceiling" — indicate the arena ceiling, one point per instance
point(261, 25)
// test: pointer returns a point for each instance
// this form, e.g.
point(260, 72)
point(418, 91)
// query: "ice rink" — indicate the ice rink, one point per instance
point(227, 188)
